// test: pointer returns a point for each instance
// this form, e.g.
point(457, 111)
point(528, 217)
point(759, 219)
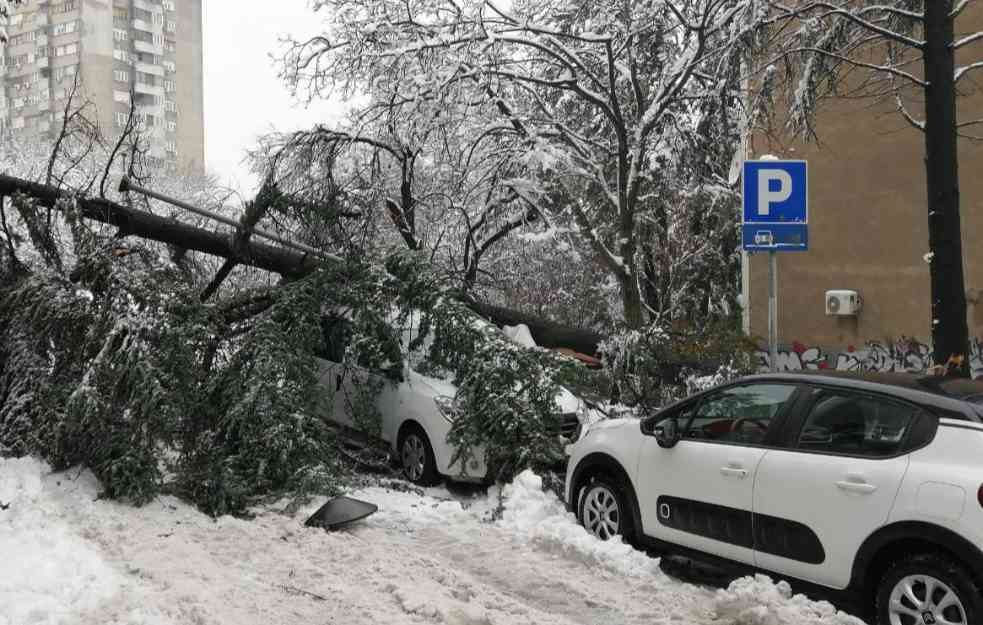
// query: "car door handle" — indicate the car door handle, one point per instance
point(856, 487)
point(734, 472)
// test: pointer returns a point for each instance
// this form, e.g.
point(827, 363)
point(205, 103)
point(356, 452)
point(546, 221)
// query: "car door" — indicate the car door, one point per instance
point(816, 501)
point(698, 493)
point(333, 378)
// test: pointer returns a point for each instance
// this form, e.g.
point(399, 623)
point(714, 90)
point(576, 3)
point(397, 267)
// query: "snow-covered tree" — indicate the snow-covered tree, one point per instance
point(904, 51)
point(600, 95)
point(428, 170)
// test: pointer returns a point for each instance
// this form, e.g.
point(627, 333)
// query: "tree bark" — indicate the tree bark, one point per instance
point(950, 333)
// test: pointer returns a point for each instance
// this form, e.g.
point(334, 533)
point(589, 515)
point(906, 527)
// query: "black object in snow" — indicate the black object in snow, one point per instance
point(340, 511)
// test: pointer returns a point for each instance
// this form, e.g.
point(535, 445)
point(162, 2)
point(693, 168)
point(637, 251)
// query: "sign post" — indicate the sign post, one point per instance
point(776, 219)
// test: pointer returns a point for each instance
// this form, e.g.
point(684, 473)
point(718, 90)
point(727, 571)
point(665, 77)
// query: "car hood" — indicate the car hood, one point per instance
point(613, 424)
point(567, 401)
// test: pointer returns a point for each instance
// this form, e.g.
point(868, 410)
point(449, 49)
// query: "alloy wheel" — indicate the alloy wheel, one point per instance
point(925, 600)
point(602, 514)
point(414, 457)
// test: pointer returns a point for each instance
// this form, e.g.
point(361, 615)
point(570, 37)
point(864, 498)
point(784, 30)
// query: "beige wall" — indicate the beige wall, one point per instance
point(96, 64)
point(190, 96)
point(868, 225)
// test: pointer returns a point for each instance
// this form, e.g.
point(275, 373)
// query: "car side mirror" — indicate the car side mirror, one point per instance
point(667, 433)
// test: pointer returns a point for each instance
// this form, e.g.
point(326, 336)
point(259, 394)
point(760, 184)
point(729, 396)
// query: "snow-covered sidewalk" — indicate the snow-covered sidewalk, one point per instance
point(70, 558)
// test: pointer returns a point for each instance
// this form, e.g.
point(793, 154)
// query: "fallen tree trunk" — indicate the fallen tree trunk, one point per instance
point(146, 225)
point(284, 261)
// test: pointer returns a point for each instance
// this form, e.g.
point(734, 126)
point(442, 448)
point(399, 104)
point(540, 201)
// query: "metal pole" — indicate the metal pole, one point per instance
point(773, 311)
point(125, 185)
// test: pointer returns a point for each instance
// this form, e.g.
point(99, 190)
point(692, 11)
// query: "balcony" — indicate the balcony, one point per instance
point(146, 68)
point(145, 26)
point(144, 88)
point(148, 48)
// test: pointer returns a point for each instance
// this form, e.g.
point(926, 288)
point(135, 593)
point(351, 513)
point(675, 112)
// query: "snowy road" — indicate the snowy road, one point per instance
point(427, 559)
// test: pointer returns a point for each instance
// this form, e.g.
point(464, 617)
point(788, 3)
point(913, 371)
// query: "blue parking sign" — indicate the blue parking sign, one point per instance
point(776, 206)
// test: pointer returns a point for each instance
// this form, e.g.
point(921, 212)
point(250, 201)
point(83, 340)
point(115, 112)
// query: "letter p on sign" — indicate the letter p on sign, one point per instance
point(769, 193)
point(775, 192)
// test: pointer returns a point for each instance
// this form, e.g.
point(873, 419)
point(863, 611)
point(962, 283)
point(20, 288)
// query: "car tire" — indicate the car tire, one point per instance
point(928, 583)
point(604, 508)
point(416, 457)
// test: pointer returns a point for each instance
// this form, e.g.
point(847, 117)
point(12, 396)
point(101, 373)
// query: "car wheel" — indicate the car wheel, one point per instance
point(603, 509)
point(928, 589)
point(416, 457)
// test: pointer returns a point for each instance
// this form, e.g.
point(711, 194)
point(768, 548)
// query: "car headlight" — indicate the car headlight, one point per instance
point(446, 407)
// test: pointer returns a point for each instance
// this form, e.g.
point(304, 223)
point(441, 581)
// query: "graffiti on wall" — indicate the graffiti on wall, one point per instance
point(902, 355)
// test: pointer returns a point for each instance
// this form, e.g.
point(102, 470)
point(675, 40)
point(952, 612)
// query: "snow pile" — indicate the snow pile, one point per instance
point(538, 516)
point(50, 574)
point(434, 556)
point(408, 511)
point(759, 601)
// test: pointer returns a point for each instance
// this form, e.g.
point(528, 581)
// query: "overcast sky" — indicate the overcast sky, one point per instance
point(243, 96)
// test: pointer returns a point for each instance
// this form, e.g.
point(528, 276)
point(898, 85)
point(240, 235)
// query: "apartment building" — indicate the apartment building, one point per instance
point(149, 51)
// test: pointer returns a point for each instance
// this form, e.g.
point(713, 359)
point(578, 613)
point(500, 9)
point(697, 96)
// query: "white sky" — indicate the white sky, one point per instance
point(243, 97)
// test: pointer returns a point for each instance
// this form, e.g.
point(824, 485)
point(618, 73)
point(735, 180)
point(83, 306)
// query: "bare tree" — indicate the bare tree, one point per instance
point(595, 90)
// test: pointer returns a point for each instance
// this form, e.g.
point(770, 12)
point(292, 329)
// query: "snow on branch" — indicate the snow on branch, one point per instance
point(965, 69)
point(967, 40)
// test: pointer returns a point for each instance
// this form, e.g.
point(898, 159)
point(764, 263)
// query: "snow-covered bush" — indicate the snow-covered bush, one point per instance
point(98, 371)
point(652, 366)
point(256, 429)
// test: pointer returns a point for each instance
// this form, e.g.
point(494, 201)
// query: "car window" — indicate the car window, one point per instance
point(740, 414)
point(335, 336)
point(861, 425)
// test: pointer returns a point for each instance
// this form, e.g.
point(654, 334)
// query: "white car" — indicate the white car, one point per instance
point(416, 411)
point(871, 484)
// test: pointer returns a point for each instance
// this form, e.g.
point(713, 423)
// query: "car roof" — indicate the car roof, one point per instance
point(958, 395)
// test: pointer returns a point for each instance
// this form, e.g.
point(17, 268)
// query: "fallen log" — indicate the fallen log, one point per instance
point(281, 260)
point(131, 221)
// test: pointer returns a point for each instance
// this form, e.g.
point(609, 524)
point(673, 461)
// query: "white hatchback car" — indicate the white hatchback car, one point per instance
point(415, 411)
point(870, 484)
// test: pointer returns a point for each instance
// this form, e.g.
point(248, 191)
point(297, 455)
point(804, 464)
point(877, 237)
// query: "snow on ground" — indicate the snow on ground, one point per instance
point(428, 557)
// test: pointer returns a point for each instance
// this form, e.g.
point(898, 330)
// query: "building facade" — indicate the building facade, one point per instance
point(868, 231)
point(149, 51)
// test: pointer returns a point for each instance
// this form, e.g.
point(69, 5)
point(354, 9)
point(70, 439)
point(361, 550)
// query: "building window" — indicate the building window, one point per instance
point(23, 38)
point(121, 119)
point(169, 86)
point(171, 26)
point(170, 46)
point(147, 79)
point(168, 5)
point(170, 106)
point(121, 96)
point(65, 28)
point(120, 34)
point(171, 126)
point(64, 7)
point(121, 75)
point(65, 50)
point(61, 73)
point(120, 55)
